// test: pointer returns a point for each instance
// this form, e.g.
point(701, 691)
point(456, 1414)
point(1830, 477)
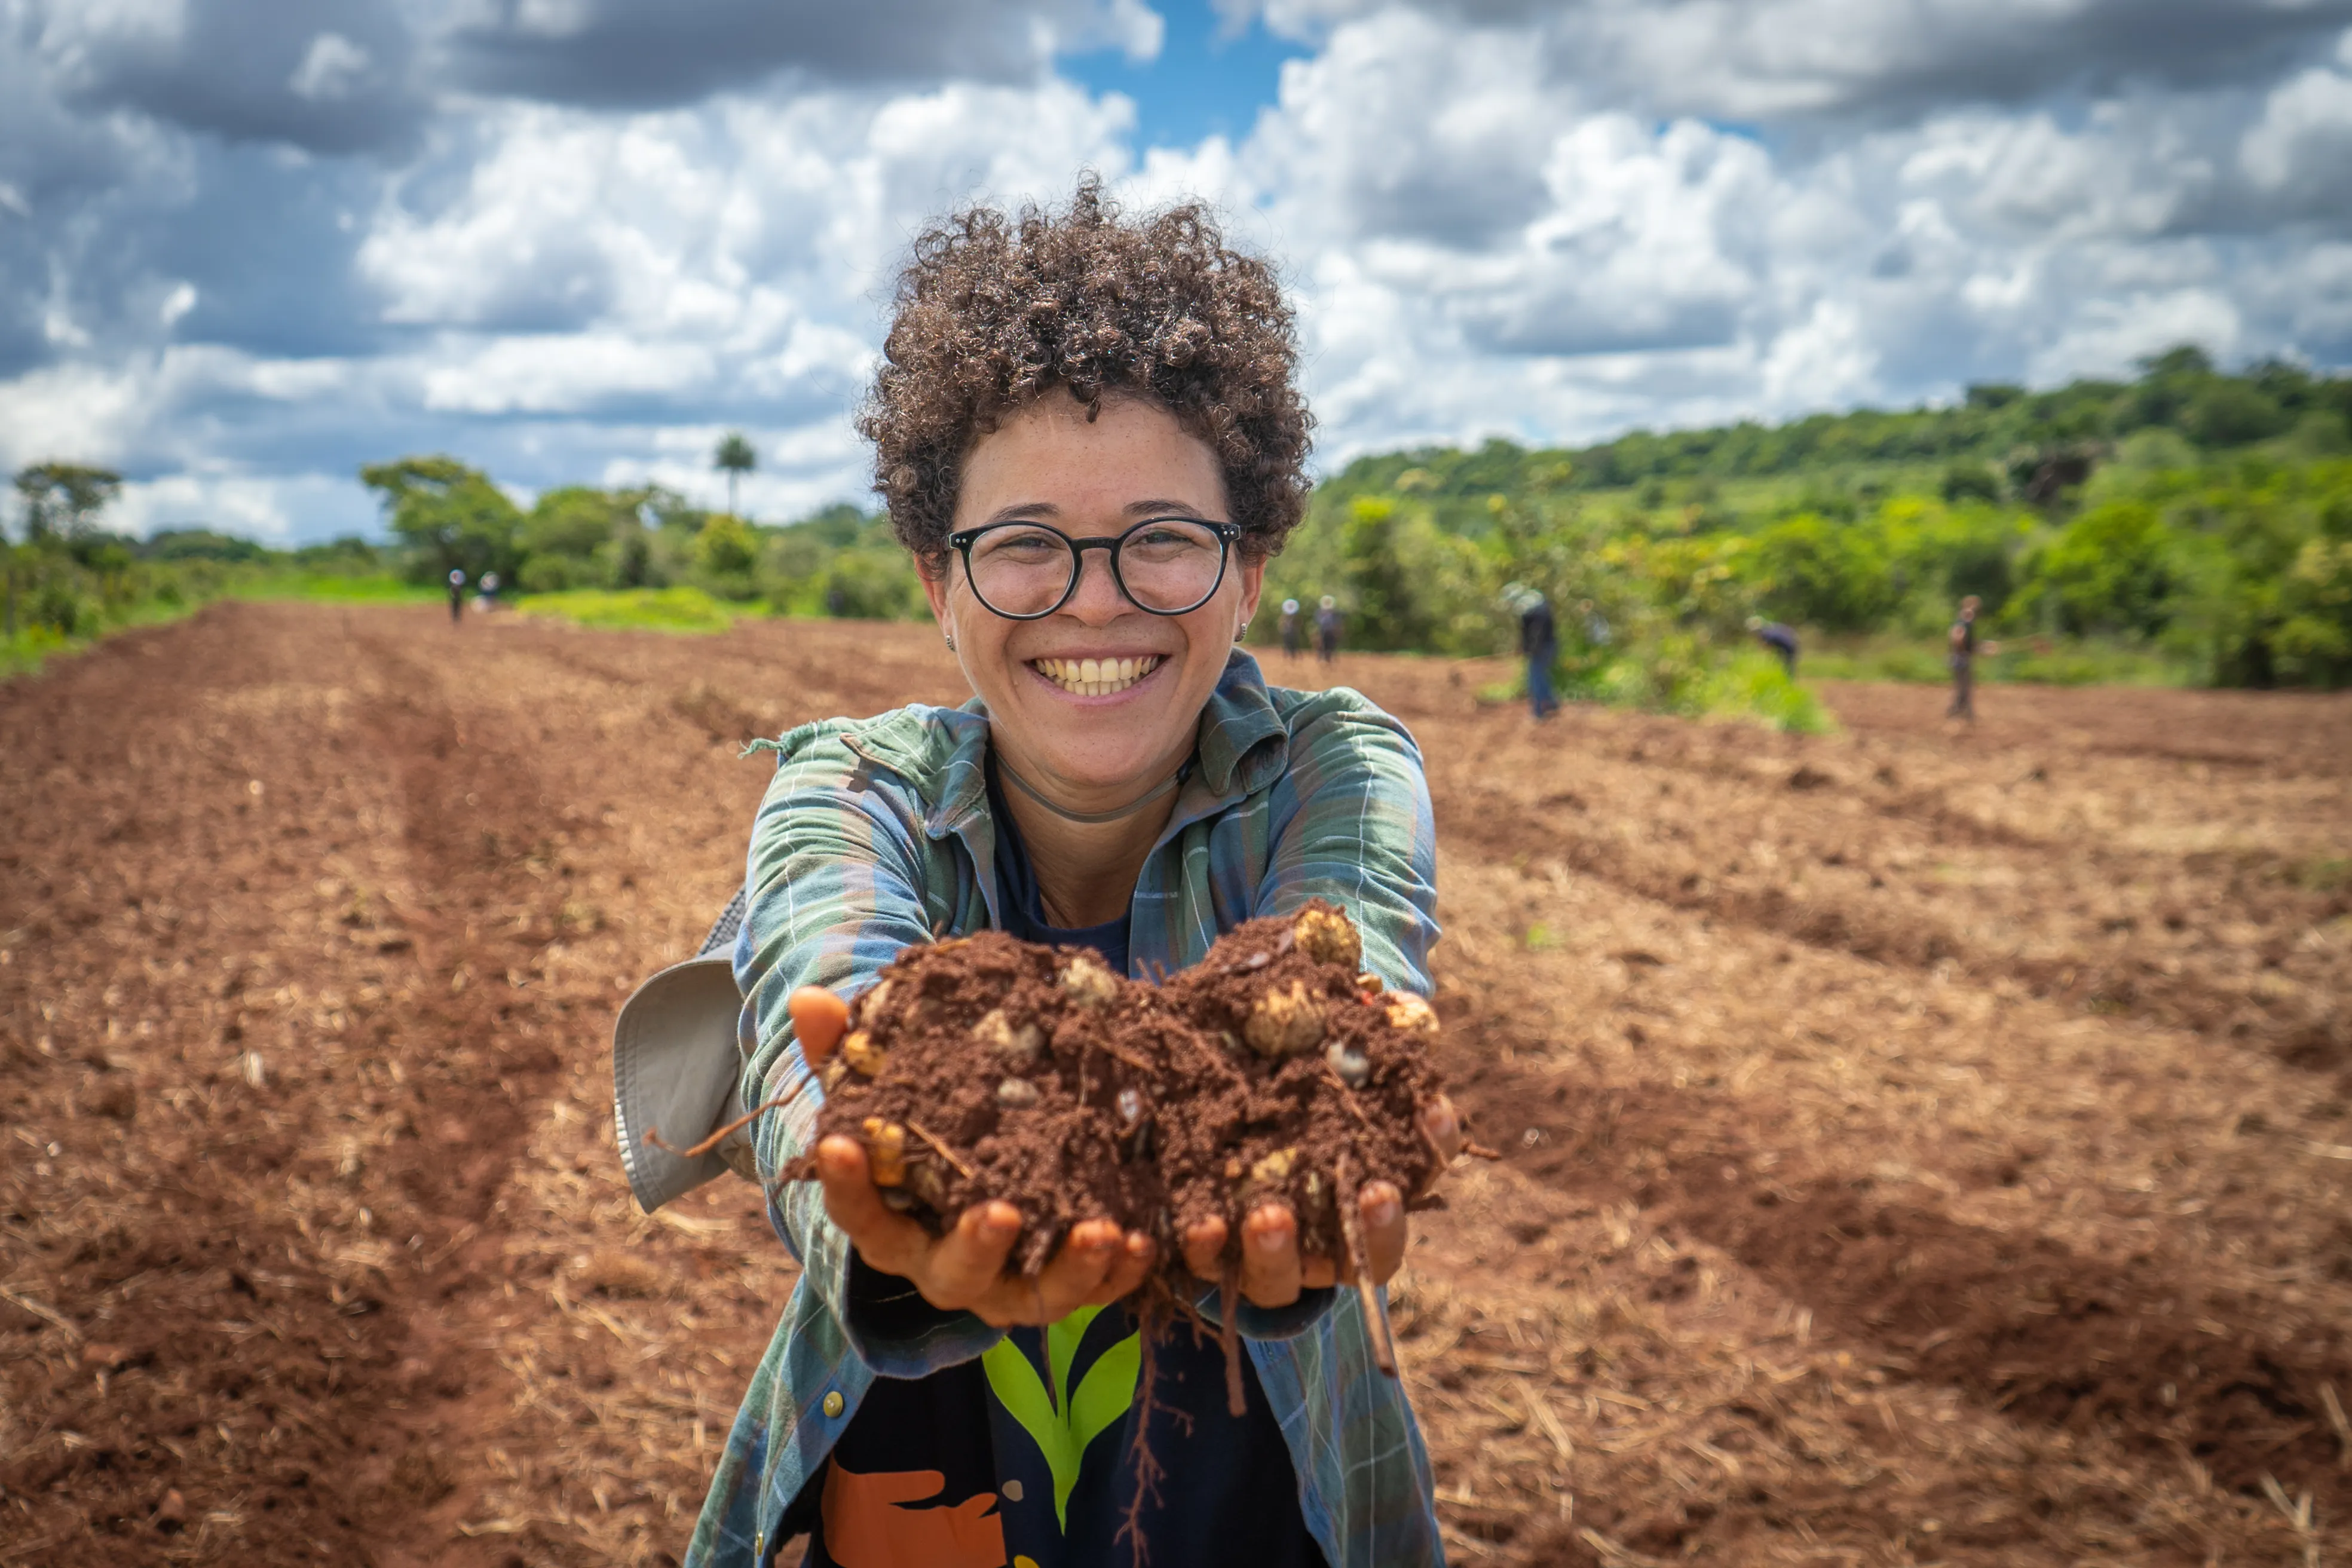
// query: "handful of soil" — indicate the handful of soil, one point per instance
point(986, 1068)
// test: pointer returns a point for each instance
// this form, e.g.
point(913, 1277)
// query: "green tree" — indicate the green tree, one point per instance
point(577, 535)
point(452, 517)
point(2231, 413)
point(2107, 571)
point(1836, 576)
point(62, 500)
point(735, 456)
point(725, 552)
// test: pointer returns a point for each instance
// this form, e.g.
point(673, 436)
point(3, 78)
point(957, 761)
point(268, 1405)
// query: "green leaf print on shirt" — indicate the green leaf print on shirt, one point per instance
point(1061, 1423)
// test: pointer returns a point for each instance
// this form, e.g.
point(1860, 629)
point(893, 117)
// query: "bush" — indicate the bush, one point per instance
point(649, 609)
point(1753, 684)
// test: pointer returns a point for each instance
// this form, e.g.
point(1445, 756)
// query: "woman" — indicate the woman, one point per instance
point(1088, 436)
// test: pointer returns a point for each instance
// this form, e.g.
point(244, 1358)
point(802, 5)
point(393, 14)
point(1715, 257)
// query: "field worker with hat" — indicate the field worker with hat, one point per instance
point(1089, 437)
point(457, 596)
point(1327, 629)
point(1539, 644)
point(1292, 634)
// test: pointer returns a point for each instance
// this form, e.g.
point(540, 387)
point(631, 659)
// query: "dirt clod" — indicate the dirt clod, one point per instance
point(1131, 1104)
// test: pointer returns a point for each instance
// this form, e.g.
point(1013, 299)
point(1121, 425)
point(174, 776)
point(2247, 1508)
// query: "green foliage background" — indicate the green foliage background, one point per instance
point(2186, 526)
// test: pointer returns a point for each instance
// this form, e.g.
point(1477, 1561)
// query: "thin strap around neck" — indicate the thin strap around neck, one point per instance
point(1089, 818)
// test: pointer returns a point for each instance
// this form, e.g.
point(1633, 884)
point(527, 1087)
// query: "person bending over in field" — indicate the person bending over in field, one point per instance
point(1088, 435)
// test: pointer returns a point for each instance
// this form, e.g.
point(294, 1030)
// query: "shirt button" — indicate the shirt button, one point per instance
point(833, 1403)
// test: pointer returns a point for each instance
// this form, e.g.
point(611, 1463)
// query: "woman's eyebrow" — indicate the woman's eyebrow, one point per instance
point(1020, 511)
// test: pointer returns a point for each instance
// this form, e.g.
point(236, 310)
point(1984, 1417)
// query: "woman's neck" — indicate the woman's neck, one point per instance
point(1086, 872)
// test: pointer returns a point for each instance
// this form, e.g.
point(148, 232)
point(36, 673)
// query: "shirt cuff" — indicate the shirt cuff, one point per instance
point(897, 1333)
point(1252, 1322)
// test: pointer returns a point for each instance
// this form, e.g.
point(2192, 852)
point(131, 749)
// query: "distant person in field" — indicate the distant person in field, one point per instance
point(1963, 658)
point(1294, 633)
point(1539, 644)
point(488, 599)
point(457, 596)
point(1327, 629)
point(1088, 434)
point(1779, 638)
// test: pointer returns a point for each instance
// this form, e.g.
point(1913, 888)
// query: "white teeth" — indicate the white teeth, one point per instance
point(1096, 677)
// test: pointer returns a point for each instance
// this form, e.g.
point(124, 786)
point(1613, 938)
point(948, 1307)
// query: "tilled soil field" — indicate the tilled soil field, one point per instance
point(1922, 1147)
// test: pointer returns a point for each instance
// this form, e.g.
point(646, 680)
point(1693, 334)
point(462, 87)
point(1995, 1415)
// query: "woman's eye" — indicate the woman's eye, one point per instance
point(1024, 546)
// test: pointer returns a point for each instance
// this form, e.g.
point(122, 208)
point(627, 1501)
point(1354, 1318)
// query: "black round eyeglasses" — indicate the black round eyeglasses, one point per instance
point(1164, 565)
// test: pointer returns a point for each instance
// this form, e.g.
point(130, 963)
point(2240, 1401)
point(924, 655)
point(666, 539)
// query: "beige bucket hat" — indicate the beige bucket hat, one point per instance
point(677, 1070)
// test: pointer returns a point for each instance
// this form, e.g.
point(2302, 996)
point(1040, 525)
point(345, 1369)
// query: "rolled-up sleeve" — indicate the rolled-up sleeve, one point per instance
point(836, 887)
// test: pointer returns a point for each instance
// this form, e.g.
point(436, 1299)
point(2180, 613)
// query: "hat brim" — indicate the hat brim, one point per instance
point(677, 1071)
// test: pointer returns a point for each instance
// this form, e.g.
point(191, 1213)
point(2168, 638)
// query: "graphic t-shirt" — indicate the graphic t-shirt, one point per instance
point(1026, 1457)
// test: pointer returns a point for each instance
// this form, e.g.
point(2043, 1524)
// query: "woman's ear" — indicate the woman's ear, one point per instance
point(1253, 586)
point(935, 589)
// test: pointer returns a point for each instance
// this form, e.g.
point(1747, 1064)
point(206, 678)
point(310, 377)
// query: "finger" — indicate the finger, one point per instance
point(1204, 1247)
point(819, 1018)
point(1128, 1272)
point(1270, 1256)
point(1078, 1266)
point(1382, 1209)
point(964, 1268)
point(888, 1241)
point(1442, 1126)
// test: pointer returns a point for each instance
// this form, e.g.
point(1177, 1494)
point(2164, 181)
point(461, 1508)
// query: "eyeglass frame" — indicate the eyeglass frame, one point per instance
point(1228, 535)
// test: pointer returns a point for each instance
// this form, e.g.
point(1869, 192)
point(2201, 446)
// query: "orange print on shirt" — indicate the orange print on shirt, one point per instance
point(866, 1527)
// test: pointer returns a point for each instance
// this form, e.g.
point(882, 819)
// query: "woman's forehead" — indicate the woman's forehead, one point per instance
point(1047, 459)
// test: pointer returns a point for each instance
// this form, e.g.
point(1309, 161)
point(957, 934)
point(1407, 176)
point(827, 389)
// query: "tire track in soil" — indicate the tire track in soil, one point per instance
point(210, 1346)
point(237, 1358)
point(2313, 1042)
point(2136, 1348)
point(481, 925)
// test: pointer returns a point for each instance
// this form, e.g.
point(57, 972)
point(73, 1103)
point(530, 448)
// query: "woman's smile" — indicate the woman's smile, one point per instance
point(1097, 698)
point(1104, 677)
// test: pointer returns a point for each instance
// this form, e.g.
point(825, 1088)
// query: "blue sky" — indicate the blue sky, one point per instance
point(247, 246)
point(1210, 77)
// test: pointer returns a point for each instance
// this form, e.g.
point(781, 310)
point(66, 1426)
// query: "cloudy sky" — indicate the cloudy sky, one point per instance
point(248, 244)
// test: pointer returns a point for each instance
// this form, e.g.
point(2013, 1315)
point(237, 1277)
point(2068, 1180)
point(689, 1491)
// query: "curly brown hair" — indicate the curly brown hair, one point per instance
point(994, 311)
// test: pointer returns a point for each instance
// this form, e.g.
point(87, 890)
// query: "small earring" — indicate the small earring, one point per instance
point(950, 637)
point(1243, 633)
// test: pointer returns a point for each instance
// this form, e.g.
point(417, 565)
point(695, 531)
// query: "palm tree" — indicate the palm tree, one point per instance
point(734, 455)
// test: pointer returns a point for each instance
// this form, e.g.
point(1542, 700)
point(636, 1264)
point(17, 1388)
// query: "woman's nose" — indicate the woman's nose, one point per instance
point(1097, 598)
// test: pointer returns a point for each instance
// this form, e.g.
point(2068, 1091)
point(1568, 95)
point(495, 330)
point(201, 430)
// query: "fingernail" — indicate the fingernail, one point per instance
point(1383, 1211)
point(1268, 1241)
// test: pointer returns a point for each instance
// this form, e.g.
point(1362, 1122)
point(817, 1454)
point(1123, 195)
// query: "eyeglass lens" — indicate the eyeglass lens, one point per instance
point(1169, 566)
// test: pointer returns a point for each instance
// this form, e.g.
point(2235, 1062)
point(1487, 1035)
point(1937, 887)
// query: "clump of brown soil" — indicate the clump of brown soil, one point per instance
point(987, 1067)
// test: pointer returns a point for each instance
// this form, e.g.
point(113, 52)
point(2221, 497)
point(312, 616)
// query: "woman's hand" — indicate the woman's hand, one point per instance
point(965, 1269)
point(1272, 1272)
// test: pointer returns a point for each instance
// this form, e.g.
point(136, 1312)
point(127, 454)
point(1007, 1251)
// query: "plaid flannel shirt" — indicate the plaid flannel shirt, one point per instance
point(876, 833)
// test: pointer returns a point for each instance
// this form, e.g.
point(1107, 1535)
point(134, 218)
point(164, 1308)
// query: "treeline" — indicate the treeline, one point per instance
point(2202, 517)
point(448, 516)
point(2192, 518)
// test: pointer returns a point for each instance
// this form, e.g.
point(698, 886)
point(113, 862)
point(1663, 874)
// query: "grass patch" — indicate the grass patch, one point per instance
point(2025, 662)
point(375, 589)
point(1753, 686)
point(643, 609)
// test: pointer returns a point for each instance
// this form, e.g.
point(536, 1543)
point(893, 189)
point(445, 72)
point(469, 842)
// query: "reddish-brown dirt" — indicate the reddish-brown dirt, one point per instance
point(1921, 1147)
